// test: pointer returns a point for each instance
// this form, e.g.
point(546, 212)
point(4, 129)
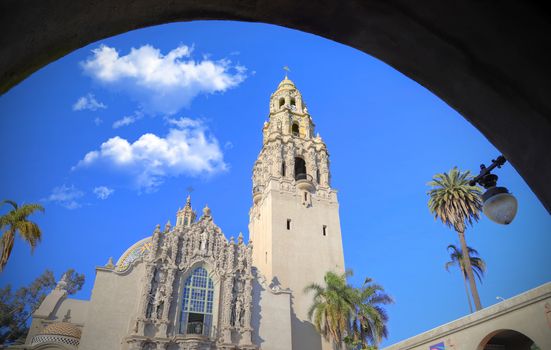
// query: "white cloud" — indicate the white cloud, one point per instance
point(66, 196)
point(103, 192)
point(127, 120)
point(88, 102)
point(187, 149)
point(162, 83)
point(98, 121)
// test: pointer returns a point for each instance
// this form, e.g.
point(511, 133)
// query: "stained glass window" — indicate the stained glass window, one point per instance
point(197, 302)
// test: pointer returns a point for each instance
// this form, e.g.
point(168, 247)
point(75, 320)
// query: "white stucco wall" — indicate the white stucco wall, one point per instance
point(299, 256)
point(271, 318)
point(113, 304)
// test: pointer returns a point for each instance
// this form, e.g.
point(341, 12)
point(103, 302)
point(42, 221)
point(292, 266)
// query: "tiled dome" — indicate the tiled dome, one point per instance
point(62, 328)
point(137, 250)
point(59, 333)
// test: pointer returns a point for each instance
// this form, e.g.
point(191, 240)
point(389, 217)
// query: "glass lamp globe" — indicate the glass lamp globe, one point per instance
point(499, 205)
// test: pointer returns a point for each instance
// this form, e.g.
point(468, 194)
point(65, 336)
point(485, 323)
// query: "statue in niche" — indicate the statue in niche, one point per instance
point(158, 301)
point(203, 240)
point(238, 312)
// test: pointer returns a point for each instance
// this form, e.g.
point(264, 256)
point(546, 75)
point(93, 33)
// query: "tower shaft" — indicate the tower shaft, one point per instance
point(294, 222)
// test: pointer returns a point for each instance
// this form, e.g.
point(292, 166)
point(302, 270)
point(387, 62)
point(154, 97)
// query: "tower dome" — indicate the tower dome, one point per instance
point(286, 83)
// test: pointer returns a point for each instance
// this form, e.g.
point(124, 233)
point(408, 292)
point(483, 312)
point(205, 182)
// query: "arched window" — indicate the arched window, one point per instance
point(300, 169)
point(295, 129)
point(318, 177)
point(283, 169)
point(197, 304)
point(281, 102)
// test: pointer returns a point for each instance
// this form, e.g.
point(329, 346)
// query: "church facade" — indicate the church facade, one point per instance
point(189, 287)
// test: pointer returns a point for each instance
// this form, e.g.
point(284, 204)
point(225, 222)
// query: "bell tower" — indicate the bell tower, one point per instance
point(294, 221)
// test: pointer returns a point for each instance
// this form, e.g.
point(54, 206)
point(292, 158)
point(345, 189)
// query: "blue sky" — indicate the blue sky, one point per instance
point(108, 140)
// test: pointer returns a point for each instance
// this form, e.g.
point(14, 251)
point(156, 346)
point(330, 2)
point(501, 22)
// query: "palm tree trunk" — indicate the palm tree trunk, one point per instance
point(467, 291)
point(468, 267)
point(7, 245)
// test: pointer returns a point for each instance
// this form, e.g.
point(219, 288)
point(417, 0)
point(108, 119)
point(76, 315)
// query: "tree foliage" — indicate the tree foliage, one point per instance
point(453, 200)
point(456, 259)
point(16, 220)
point(345, 314)
point(457, 204)
point(17, 306)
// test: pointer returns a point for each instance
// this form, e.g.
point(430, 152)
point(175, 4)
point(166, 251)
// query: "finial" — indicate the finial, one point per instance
point(206, 210)
point(232, 241)
point(62, 283)
point(110, 264)
point(167, 226)
point(240, 238)
point(157, 228)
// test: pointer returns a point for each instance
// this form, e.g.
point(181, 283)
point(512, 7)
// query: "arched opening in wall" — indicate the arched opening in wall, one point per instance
point(295, 129)
point(293, 102)
point(197, 304)
point(300, 169)
point(507, 339)
point(281, 102)
point(283, 169)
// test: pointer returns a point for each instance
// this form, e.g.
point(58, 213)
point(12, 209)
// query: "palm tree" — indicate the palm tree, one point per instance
point(368, 325)
point(16, 221)
point(342, 313)
point(457, 204)
point(332, 306)
point(477, 264)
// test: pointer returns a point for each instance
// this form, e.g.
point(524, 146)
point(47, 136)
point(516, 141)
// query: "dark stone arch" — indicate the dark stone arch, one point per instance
point(507, 339)
point(490, 63)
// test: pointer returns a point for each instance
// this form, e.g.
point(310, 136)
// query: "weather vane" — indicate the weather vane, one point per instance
point(287, 70)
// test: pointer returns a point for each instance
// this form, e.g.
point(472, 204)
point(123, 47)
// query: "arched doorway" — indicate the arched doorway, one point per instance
point(507, 339)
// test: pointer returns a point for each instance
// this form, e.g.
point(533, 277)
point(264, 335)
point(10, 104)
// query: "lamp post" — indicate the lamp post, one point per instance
point(498, 204)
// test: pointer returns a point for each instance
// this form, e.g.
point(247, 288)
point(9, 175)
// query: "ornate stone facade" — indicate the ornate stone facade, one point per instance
point(288, 135)
point(174, 254)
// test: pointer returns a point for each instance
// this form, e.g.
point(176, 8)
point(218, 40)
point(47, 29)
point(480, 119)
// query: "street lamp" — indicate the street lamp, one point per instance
point(497, 203)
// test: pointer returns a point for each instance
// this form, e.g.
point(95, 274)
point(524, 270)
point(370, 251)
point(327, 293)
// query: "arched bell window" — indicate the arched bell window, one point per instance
point(295, 129)
point(281, 102)
point(300, 169)
point(293, 103)
point(197, 304)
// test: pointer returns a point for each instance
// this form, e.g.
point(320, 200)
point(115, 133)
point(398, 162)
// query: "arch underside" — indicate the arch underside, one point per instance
point(490, 63)
point(507, 339)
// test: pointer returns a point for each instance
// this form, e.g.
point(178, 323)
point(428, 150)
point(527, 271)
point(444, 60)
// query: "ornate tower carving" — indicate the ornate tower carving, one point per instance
point(294, 221)
point(186, 215)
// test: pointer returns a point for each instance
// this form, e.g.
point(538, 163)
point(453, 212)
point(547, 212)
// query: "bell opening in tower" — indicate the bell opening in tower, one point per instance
point(294, 129)
point(300, 169)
